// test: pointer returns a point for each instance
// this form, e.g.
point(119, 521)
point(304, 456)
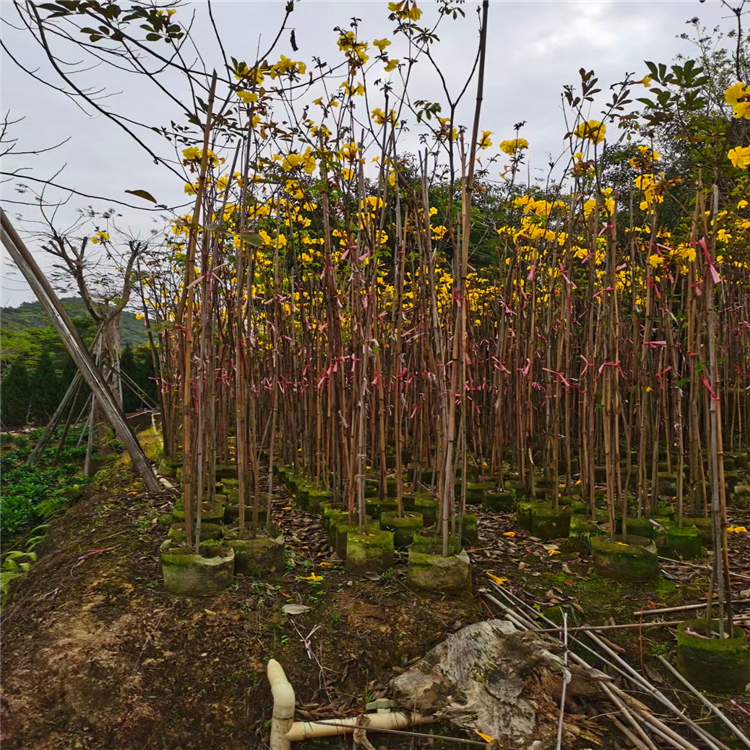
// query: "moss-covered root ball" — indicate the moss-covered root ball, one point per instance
point(369, 553)
point(719, 665)
point(189, 574)
point(435, 573)
point(634, 561)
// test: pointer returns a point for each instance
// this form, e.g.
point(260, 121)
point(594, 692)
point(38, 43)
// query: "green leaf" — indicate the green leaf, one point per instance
point(142, 194)
point(251, 238)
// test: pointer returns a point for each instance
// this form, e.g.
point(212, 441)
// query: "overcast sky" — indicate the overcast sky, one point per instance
point(535, 49)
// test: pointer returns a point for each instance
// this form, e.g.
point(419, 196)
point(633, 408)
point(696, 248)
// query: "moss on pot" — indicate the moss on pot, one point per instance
point(499, 501)
point(226, 471)
point(548, 523)
point(663, 510)
point(232, 514)
point(638, 526)
point(432, 544)
point(375, 508)
point(367, 553)
point(260, 556)
point(208, 531)
point(167, 467)
point(315, 497)
point(524, 511)
point(427, 476)
point(435, 573)
point(469, 529)
point(634, 561)
point(210, 512)
point(681, 543)
point(705, 526)
point(580, 533)
point(403, 527)
point(342, 529)
point(720, 665)
point(189, 574)
point(428, 507)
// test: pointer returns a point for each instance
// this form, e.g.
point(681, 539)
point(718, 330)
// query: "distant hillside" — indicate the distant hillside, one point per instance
point(26, 331)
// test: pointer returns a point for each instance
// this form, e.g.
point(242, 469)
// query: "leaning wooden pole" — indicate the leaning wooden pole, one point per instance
point(51, 304)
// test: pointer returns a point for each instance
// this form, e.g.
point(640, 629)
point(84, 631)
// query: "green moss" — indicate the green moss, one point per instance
point(188, 574)
point(705, 527)
point(340, 534)
point(433, 544)
point(630, 562)
point(428, 507)
point(435, 573)
point(469, 529)
point(580, 532)
point(548, 523)
point(403, 527)
point(226, 471)
point(259, 556)
point(369, 552)
point(637, 526)
point(714, 664)
point(210, 512)
point(683, 543)
point(499, 501)
point(208, 531)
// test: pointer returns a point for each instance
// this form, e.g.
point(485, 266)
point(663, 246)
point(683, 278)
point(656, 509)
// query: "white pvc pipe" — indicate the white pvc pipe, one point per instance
point(302, 730)
point(282, 718)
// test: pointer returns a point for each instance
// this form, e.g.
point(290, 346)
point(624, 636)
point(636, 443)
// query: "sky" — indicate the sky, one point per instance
point(535, 48)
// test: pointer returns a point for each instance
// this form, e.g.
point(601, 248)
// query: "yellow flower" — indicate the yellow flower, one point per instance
point(737, 97)
point(439, 232)
point(191, 154)
point(248, 97)
point(511, 147)
point(594, 130)
point(552, 552)
point(646, 81)
point(391, 65)
point(736, 529)
point(740, 157)
point(405, 9)
point(312, 577)
point(655, 260)
point(190, 188)
point(99, 236)
point(485, 141)
point(381, 44)
point(485, 737)
point(509, 533)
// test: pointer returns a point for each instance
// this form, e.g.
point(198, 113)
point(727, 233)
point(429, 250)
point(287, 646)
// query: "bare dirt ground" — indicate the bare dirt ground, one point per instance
point(96, 654)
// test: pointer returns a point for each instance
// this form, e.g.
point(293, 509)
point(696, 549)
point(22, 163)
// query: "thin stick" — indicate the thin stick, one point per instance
point(664, 610)
point(626, 626)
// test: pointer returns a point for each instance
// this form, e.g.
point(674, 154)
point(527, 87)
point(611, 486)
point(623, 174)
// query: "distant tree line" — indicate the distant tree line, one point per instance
point(30, 394)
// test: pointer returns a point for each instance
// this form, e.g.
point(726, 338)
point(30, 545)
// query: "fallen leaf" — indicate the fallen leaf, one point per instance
point(295, 609)
point(499, 581)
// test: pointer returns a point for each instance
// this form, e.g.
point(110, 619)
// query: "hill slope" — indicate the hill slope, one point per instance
point(26, 331)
